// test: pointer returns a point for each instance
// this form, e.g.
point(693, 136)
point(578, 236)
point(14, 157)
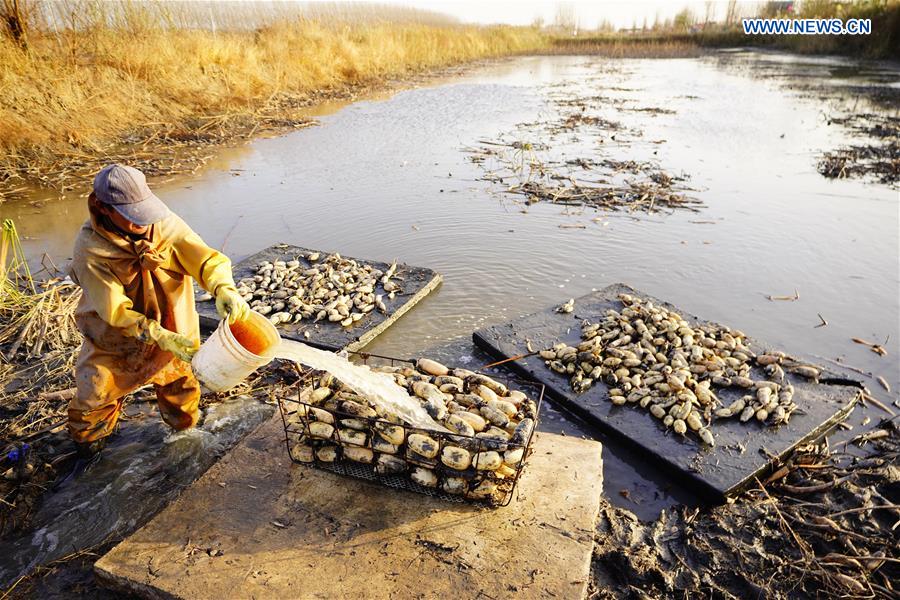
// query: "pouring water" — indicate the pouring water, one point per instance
point(225, 360)
point(380, 388)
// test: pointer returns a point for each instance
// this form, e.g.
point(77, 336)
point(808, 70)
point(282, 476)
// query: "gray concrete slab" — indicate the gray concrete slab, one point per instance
point(256, 525)
point(743, 451)
point(416, 282)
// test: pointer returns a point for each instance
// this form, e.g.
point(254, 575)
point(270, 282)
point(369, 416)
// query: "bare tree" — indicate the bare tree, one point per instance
point(566, 17)
point(15, 16)
point(731, 14)
point(710, 12)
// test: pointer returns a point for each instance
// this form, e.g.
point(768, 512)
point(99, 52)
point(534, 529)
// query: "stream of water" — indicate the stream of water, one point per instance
point(380, 388)
point(144, 467)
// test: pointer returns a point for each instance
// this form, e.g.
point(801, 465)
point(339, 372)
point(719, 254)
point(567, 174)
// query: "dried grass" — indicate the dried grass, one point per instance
point(38, 343)
point(122, 84)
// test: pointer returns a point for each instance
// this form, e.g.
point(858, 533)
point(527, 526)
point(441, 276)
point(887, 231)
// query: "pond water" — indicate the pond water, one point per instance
point(391, 178)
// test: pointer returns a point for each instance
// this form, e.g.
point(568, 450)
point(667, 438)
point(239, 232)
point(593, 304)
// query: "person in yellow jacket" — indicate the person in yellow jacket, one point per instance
point(135, 261)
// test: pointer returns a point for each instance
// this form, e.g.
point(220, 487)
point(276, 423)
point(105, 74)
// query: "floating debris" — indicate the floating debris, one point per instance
point(856, 161)
point(158, 150)
point(868, 398)
point(646, 197)
point(876, 348)
point(566, 307)
point(573, 121)
point(878, 160)
point(534, 171)
point(653, 110)
point(793, 298)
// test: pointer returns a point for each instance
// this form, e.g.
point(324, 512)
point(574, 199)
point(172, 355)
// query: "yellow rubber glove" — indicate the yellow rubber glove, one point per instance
point(181, 346)
point(230, 304)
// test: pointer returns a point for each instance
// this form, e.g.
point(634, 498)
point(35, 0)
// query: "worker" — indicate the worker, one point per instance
point(135, 261)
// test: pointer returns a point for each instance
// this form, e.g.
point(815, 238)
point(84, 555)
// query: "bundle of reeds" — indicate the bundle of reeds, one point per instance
point(14, 272)
point(45, 321)
point(33, 320)
point(38, 342)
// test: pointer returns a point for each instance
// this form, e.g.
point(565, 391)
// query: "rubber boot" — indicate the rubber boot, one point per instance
point(87, 454)
point(90, 450)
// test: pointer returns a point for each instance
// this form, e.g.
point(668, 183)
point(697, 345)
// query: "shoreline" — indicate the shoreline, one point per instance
point(163, 156)
point(76, 99)
point(168, 150)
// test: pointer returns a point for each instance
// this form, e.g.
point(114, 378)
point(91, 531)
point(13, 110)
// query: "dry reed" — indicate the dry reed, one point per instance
point(38, 342)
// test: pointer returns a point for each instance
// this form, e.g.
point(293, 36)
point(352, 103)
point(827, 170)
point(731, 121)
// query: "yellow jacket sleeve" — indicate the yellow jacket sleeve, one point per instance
point(209, 267)
point(107, 296)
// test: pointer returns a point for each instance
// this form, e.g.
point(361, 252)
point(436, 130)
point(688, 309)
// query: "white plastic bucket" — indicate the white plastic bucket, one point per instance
point(222, 362)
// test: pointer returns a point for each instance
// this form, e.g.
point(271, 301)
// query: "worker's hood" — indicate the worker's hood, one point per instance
point(151, 250)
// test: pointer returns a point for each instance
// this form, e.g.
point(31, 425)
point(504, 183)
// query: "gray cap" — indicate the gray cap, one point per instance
point(125, 189)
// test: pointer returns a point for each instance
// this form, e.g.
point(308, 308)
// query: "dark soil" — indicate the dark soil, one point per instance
point(879, 159)
point(828, 528)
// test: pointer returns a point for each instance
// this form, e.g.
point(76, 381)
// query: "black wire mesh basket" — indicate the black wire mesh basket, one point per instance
point(455, 467)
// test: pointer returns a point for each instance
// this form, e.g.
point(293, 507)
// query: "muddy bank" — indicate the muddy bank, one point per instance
point(164, 151)
point(824, 525)
point(624, 47)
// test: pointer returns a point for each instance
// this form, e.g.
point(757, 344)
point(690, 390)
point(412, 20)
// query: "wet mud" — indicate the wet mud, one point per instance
point(823, 526)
